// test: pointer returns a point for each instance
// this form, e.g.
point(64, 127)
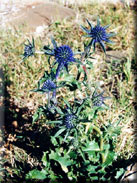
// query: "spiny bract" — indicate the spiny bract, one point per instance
point(98, 35)
point(69, 120)
point(49, 85)
point(29, 49)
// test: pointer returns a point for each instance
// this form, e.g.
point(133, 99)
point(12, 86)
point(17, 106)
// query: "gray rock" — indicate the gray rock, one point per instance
point(41, 14)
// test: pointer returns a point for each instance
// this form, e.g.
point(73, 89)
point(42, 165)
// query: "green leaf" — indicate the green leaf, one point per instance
point(113, 130)
point(41, 81)
point(54, 141)
point(90, 64)
point(35, 117)
point(84, 29)
point(36, 174)
point(47, 52)
point(94, 156)
point(120, 173)
point(80, 108)
point(89, 23)
point(59, 110)
point(73, 154)
point(95, 177)
point(110, 156)
point(92, 169)
point(67, 103)
point(54, 122)
point(54, 42)
point(63, 161)
point(37, 114)
point(59, 132)
point(68, 78)
point(44, 160)
point(91, 146)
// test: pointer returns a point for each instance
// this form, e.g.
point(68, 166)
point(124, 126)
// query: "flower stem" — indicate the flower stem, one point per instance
point(48, 99)
point(101, 143)
point(97, 129)
point(39, 52)
point(82, 59)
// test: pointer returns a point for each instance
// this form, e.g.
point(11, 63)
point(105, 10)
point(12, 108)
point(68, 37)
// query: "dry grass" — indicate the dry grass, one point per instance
point(114, 75)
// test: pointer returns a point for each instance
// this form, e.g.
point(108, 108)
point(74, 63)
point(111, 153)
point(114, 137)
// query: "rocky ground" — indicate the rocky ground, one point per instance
point(37, 13)
point(34, 15)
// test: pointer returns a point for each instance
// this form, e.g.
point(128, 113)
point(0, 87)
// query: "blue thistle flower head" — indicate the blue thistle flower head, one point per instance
point(98, 99)
point(63, 55)
point(98, 35)
point(29, 49)
point(69, 120)
point(48, 86)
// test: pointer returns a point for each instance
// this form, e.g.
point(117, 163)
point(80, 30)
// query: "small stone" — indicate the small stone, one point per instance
point(15, 124)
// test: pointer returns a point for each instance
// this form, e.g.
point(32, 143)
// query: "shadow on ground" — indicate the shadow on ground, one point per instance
point(134, 69)
point(34, 140)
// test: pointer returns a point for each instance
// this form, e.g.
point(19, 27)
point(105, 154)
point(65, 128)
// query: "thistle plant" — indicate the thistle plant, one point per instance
point(81, 150)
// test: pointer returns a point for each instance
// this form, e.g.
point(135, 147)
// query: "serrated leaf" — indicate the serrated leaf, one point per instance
point(36, 174)
point(91, 146)
point(92, 169)
point(63, 161)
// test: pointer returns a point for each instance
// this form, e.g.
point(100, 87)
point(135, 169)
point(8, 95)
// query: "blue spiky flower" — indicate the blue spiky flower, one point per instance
point(98, 35)
point(98, 99)
point(48, 86)
point(69, 120)
point(63, 56)
point(29, 49)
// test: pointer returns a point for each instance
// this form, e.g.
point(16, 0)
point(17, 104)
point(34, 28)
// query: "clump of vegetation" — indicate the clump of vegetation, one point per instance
point(83, 107)
point(79, 148)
